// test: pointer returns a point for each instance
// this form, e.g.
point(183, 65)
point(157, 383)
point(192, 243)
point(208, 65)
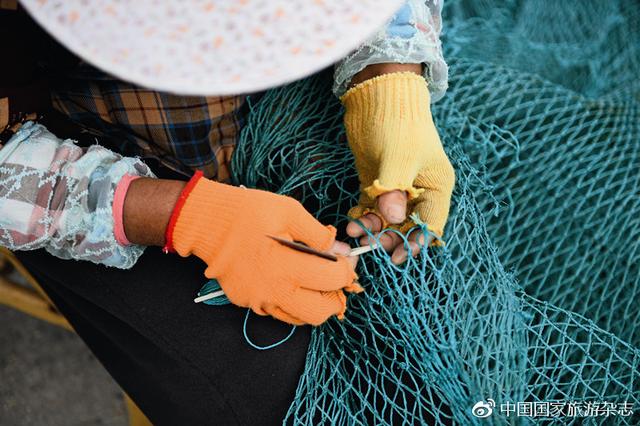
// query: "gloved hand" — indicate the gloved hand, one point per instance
point(228, 228)
point(396, 147)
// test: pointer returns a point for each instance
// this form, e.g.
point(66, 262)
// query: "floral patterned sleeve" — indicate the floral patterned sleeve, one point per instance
point(58, 196)
point(412, 36)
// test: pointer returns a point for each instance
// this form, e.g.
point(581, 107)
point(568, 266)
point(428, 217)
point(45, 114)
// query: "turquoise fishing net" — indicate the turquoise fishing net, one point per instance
point(535, 296)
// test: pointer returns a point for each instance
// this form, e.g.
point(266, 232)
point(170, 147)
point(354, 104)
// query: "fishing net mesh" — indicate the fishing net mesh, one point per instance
point(535, 296)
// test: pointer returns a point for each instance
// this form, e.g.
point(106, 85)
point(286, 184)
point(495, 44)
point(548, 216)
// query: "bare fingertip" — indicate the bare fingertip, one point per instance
point(341, 248)
point(394, 214)
point(399, 256)
point(354, 230)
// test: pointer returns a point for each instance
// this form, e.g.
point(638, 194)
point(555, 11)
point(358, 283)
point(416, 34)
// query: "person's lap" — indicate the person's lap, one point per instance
point(181, 362)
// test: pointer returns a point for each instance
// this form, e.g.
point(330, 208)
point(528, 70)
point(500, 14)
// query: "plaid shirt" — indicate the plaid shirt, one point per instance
point(56, 195)
point(185, 133)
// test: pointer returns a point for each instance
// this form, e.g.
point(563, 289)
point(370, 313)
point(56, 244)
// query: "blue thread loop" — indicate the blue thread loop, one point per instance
point(263, 348)
point(212, 286)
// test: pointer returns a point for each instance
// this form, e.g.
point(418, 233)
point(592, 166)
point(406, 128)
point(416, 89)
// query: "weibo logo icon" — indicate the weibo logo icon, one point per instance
point(483, 409)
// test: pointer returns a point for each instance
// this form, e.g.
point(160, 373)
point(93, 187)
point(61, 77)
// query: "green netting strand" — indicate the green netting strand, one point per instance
point(535, 296)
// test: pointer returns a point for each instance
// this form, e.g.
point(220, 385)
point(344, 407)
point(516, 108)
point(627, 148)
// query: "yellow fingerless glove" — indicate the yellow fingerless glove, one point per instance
point(396, 146)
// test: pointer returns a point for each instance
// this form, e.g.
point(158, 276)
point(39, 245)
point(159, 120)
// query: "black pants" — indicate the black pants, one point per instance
point(182, 363)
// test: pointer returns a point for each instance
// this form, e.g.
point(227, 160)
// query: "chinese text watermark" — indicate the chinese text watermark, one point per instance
point(552, 409)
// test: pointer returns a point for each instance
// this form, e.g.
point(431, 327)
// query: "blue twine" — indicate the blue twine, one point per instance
point(212, 286)
point(263, 348)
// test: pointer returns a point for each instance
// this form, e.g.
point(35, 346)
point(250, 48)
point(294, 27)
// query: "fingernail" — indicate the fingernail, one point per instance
point(341, 249)
point(399, 258)
point(394, 214)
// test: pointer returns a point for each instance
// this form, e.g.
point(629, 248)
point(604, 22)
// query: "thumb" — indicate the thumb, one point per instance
point(392, 206)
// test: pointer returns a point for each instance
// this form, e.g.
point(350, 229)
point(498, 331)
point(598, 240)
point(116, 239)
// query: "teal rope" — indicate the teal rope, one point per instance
point(263, 348)
point(212, 286)
point(541, 122)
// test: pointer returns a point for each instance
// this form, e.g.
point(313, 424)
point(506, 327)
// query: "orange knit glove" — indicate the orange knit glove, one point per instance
point(227, 227)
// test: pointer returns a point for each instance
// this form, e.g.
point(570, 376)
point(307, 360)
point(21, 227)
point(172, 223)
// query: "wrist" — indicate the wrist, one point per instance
point(118, 208)
point(394, 97)
point(147, 208)
point(375, 70)
point(177, 209)
point(194, 231)
point(390, 131)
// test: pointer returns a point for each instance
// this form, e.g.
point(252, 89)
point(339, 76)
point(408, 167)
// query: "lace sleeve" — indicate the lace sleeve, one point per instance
point(412, 36)
point(58, 196)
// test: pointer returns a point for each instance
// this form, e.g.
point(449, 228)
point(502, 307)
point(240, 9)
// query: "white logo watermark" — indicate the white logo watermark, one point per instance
point(483, 409)
point(552, 409)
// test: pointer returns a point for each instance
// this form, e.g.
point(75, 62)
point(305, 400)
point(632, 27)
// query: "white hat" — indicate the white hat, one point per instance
point(211, 47)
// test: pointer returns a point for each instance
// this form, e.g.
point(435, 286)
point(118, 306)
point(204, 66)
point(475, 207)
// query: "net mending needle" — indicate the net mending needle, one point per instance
point(300, 247)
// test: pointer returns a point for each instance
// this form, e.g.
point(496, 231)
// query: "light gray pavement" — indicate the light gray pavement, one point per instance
point(49, 378)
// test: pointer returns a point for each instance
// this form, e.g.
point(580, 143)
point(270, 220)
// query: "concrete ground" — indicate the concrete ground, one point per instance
point(48, 377)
